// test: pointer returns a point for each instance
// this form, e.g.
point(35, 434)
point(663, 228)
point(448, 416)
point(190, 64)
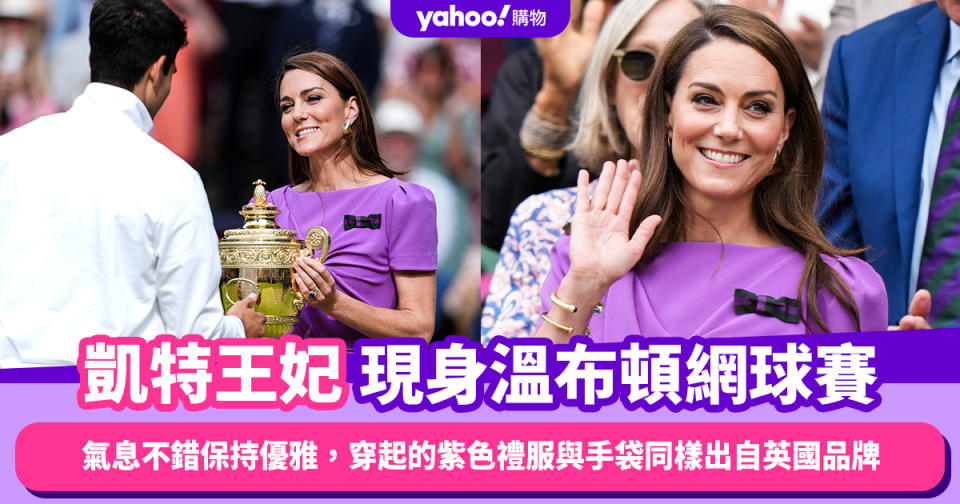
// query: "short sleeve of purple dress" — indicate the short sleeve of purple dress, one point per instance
point(694, 289)
point(374, 230)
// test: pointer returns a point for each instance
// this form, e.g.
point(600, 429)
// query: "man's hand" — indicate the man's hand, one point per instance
point(919, 314)
point(253, 322)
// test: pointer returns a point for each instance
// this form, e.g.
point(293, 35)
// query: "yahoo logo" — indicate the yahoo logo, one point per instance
point(457, 18)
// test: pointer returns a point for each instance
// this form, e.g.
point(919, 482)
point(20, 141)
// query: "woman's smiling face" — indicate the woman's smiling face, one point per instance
point(727, 121)
point(312, 113)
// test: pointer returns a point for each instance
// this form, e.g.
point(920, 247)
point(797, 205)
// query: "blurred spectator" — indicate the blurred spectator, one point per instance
point(344, 28)
point(814, 39)
point(178, 126)
point(242, 110)
point(23, 71)
point(69, 49)
point(400, 126)
point(493, 55)
point(467, 57)
point(450, 120)
point(542, 82)
point(849, 15)
point(461, 300)
point(399, 51)
point(65, 18)
point(807, 35)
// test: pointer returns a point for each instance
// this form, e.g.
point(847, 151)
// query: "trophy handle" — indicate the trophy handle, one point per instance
point(226, 288)
point(318, 238)
point(298, 299)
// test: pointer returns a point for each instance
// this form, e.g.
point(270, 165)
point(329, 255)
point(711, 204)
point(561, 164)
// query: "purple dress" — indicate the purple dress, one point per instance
point(688, 290)
point(374, 230)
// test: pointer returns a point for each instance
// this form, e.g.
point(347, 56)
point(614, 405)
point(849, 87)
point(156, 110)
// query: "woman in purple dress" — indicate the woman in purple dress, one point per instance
point(379, 278)
point(720, 239)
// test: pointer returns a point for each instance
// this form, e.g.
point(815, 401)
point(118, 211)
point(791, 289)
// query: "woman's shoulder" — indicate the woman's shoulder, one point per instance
point(856, 272)
point(867, 288)
point(407, 194)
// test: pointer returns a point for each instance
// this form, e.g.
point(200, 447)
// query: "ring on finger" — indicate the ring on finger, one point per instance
point(313, 293)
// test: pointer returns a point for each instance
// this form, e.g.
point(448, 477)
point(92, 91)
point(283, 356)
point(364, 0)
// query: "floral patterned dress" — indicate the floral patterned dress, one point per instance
point(512, 307)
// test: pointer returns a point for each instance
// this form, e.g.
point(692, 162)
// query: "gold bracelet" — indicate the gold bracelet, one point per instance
point(560, 304)
point(551, 120)
point(558, 325)
point(544, 154)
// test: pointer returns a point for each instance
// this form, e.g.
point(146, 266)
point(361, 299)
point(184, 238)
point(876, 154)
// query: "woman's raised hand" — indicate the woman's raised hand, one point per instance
point(601, 249)
point(565, 56)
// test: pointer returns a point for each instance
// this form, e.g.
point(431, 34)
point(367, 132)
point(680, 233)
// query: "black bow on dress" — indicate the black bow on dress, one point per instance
point(371, 221)
point(784, 308)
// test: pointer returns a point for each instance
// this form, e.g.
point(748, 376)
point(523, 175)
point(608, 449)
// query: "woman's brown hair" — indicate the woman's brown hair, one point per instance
point(361, 145)
point(784, 201)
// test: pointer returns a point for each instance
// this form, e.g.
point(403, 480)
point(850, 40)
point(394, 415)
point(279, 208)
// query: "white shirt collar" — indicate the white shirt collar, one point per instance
point(105, 96)
point(953, 46)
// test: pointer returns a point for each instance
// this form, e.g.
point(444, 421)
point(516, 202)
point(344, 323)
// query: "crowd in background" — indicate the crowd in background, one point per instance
point(222, 118)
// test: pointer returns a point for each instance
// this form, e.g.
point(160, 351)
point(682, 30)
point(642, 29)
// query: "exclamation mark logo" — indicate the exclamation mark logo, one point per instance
point(503, 14)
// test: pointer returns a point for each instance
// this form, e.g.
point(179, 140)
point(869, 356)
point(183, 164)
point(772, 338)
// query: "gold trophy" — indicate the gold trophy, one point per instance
point(258, 257)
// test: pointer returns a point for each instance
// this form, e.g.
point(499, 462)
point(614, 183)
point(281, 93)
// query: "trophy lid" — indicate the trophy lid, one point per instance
point(259, 222)
point(260, 242)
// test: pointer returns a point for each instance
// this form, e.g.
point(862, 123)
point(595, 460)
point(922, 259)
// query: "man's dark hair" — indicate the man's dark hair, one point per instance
point(127, 36)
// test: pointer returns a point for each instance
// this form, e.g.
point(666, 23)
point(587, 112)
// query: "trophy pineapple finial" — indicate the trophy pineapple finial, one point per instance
point(259, 193)
point(260, 213)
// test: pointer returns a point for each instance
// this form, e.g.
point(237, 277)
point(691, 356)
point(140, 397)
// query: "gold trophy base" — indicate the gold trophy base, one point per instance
point(278, 325)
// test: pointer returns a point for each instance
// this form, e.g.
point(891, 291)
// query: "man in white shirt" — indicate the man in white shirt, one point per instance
point(105, 230)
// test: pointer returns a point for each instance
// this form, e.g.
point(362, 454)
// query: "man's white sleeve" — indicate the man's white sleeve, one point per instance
point(188, 269)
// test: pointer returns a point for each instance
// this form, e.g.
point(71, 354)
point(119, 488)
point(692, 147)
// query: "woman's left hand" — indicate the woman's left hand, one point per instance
point(919, 316)
point(315, 282)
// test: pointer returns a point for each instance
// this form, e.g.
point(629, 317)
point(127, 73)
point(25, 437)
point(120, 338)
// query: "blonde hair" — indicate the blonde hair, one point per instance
point(600, 136)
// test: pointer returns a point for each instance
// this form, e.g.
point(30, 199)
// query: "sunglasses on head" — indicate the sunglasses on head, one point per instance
point(636, 64)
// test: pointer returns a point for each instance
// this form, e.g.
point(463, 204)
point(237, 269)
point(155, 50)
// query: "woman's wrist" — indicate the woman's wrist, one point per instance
point(572, 308)
point(331, 304)
point(554, 102)
point(582, 291)
point(546, 131)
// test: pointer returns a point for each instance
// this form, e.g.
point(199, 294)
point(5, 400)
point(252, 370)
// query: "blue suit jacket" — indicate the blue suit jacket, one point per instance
point(877, 103)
